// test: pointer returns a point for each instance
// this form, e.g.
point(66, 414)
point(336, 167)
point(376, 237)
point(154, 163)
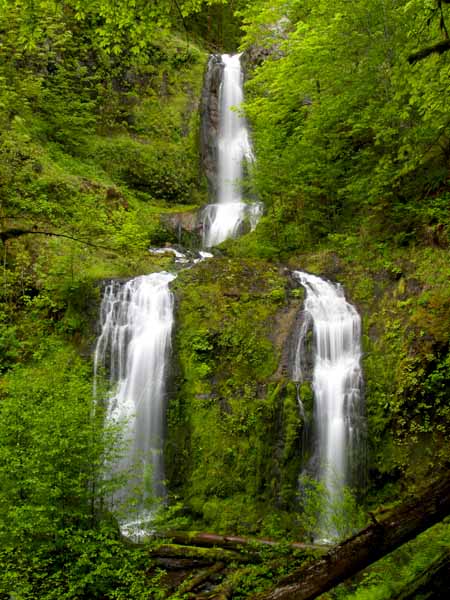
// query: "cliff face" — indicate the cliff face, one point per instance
point(209, 118)
point(234, 431)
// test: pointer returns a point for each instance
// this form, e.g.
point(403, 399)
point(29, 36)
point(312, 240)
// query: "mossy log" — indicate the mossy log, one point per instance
point(374, 542)
point(232, 542)
point(181, 564)
point(221, 592)
point(195, 554)
point(200, 578)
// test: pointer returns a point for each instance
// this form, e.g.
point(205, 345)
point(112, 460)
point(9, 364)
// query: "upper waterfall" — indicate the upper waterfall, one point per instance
point(224, 218)
point(337, 382)
point(136, 320)
point(234, 141)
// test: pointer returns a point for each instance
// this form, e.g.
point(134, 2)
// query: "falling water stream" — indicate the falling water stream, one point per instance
point(224, 218)
point(136, 321)
point(336, 383)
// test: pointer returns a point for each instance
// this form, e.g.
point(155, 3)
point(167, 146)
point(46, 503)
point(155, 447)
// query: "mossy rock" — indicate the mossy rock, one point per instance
point(234, 428)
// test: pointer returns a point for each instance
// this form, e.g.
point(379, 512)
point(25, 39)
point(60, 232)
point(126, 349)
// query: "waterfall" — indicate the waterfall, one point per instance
point(337, 382)
point(224, 218)
point(136, 321)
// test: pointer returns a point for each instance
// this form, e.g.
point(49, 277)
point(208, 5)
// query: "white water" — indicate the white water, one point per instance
point(223, 219)
point(337, 387)
point(187, 258)
point(136, 323)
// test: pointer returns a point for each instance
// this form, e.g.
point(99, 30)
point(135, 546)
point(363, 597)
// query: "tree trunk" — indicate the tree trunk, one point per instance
point(206, 555)
point(366, 547)
point(11, 234)
point(439, 48)
point(232, 542)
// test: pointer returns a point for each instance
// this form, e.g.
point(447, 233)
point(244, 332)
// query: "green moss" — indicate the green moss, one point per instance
point(233, 434)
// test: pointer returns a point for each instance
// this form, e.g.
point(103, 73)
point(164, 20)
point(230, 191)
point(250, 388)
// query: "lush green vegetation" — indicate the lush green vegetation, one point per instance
point(229, 413)
point(351, 138)
point(99, 139)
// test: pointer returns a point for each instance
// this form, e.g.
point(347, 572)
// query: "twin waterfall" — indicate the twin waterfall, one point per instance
point(136, 321)
point(136, 325)
point(224, 218)
point(337, 382)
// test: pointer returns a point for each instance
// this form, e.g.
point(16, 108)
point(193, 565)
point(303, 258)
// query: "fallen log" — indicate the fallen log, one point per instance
point(378, 539)
point(232, 542)
point(206, 555)
point(180, 564)
point(199, 578)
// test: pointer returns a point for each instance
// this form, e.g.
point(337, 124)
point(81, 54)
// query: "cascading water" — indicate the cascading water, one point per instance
point(337, 383)
point(223, 219)
point(136, 321)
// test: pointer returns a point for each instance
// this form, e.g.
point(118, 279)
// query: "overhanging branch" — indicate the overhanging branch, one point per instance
point(13, 233)
point(438, 48)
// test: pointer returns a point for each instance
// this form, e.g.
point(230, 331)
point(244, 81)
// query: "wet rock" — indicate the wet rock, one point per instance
point(188, 220)
point(209, 116)
point(186, 224)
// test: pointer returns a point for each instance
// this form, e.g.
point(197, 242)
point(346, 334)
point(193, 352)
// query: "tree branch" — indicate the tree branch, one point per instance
point(9, 234)
point(438, 48)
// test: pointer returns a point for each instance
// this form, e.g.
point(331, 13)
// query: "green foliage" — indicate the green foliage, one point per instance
point(323, 513)
point(56, 538)
point(9, 344)
point(64, 94)
point(122, 25)
point(139, 166)
point(343, 124)
point(98, 137)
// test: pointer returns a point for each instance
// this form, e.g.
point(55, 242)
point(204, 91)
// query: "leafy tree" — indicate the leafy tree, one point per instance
point(56, 538)
point(115, 25)
point(343, 116)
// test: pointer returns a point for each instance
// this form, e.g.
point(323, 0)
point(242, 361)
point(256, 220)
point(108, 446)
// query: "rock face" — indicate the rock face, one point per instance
point(253, 56)
point(186, 225)
point(234, 429)
point(209, 116)
point(187, 221)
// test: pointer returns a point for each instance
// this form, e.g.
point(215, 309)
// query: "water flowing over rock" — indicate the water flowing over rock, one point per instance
point(337, 384)
point(224, 219)
point(136, 320)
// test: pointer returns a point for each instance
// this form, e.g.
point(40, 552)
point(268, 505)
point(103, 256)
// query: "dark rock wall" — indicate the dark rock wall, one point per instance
point(209, 121)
